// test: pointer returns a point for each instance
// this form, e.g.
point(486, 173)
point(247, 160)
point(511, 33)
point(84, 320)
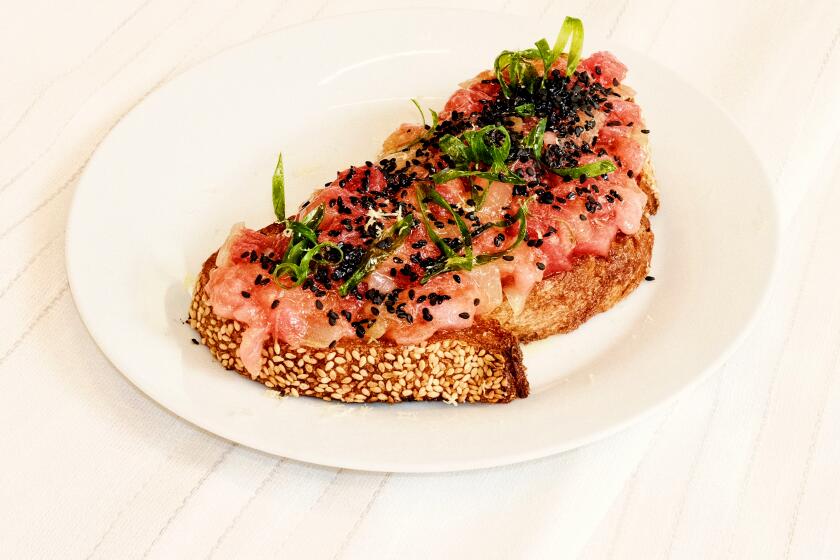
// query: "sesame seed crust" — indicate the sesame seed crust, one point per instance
point(482, 364)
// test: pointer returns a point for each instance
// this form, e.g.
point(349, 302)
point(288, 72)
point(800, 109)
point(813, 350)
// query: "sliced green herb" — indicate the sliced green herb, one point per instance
point(534, 140)
point(571, 32)
point(303, 244)
point(489, 146)
point(452, 260)
point(525, 110)
point(454, 148)
point(297, 266)
point(303, 230)
point(278, 190)
point(478, 193)
point(385, 244)
point(517, 69)
point(420, 109)
point(546, 54)
point(600, 167)
point(431, 129)
point(522, 217)
point(445, 175)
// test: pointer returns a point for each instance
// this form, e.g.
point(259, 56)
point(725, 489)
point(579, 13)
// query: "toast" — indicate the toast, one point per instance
point(481, 363)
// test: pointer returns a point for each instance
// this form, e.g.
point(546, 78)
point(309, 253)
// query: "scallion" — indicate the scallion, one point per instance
point(278, 190)
point(385, 244)
point(600, 167)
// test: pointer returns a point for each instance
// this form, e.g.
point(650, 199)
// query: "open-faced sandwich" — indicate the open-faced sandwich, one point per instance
point(517, 212)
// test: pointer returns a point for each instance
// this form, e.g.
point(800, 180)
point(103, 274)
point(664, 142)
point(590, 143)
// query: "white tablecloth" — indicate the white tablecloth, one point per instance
point(745, 466)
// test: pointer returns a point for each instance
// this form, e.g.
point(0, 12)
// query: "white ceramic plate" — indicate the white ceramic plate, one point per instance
point(196, 156)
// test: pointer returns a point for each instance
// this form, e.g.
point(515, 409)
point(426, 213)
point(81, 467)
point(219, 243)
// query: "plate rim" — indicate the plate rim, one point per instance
point(538, 451)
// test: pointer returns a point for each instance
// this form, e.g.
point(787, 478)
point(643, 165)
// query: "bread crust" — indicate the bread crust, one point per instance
point(561, 303)
point(480, 364)
point(564, 301)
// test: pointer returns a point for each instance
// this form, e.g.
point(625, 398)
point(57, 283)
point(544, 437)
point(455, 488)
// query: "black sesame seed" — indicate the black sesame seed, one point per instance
point(476, 301)
point(508, 258)
point(194, 341)
point(645, 131)
point(427, 316)
point(650, 278)
point(245, 294)
point(464, 315)
point(319, 304)
point(541, 266)
point(456, 278)
point(275, 303)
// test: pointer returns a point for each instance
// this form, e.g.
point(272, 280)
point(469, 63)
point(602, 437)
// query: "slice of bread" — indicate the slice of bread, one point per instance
point(479, 364)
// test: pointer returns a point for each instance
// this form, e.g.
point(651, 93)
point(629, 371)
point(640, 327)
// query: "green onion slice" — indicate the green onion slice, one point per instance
point(278, 190)
point(525, 110)
point(600, 167)
point(299, 270)
point(571, 32)
point(420, 109)
point(489, 145)
point(429, 133)
point(452, 260)
point(522, 217)
point(534, 140)
point(386, 243)
point(516, 68)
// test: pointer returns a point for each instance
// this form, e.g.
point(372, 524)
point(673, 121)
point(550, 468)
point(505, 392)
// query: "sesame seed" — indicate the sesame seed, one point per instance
point(245, 294)
point(194, 341)
point(464, 315)
point(650, 278)
point(275, 303)
point(476, 301)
